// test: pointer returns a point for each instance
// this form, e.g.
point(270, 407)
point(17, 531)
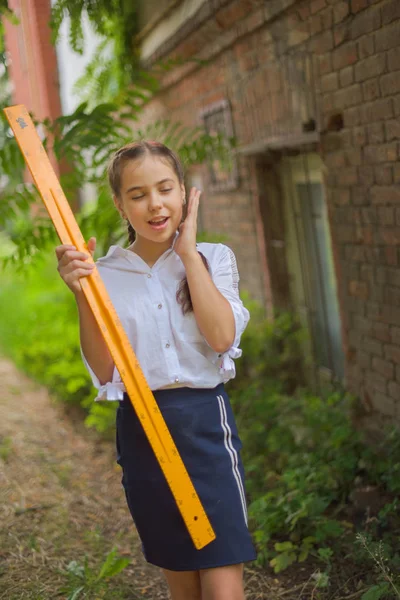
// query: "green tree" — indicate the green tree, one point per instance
point(87, 137)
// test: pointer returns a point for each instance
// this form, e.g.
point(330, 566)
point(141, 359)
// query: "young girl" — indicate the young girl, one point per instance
point(179, 304)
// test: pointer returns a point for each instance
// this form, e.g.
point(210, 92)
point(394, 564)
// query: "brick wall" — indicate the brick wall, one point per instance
point(355, 50)
point(33, 63)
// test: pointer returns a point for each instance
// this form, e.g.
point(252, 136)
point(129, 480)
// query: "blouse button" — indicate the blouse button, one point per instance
point(149, 275)
point(160, 306)
point(167, 345)
point(176, 379)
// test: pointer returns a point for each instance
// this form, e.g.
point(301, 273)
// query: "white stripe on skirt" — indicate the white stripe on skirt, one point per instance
point(232, 453)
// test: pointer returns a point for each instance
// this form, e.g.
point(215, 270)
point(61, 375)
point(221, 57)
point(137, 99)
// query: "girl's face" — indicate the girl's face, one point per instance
point(151, 198)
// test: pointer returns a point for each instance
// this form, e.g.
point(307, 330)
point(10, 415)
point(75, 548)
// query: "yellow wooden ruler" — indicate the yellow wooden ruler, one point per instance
point(114, 335)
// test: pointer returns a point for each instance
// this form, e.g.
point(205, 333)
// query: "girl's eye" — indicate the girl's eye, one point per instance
point(166, 190)
point(137, 197)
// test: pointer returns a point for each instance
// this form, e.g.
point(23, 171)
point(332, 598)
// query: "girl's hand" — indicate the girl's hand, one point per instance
point(72, 265)
point(185, 245)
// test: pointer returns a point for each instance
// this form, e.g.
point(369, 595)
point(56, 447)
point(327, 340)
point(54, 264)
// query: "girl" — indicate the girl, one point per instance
point(179, 304)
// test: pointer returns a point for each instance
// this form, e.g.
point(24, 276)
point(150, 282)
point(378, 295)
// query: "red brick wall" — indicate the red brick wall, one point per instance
point(355, 45)
point(33, 61)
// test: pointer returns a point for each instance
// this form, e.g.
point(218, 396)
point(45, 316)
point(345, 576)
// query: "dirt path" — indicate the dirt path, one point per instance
point(60, 499)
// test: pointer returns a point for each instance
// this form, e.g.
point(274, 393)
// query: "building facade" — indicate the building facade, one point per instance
point(310, 90)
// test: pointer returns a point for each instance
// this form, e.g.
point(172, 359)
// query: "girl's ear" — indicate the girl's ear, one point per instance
point(118, 206)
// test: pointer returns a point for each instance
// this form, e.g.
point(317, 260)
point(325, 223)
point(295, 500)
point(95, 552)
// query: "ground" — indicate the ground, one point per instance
point(61, 500)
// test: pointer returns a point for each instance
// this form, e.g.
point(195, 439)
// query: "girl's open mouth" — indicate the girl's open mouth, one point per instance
point(158, 224)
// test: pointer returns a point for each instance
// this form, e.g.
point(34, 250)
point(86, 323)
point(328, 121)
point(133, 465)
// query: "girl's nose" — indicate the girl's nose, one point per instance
point(155, 201)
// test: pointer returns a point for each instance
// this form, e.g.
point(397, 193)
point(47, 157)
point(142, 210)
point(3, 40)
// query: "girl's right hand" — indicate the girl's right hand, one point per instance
point(72, 264)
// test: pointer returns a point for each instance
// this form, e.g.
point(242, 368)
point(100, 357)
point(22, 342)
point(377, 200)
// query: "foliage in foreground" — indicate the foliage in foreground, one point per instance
point(84, 582)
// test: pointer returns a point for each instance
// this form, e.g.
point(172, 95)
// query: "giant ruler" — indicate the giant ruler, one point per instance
point(140, 395)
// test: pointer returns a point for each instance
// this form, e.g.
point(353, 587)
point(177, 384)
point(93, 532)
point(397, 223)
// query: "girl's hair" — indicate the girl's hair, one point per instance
point(135, 151)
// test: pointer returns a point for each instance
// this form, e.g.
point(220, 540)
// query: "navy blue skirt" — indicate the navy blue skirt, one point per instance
point(202, 425)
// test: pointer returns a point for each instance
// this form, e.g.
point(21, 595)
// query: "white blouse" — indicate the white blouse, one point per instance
point(169, 346)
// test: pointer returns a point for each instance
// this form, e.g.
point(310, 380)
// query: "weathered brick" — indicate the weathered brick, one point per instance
point(388, 37)
point(367, 274)
point(357, 5)
point(341, 196)
point(390, 12)
point(384, 404)
point(386, 215)
point(347, 176)
point(341, 34)
point(371, 90)
point(358, 289)
point(396, 173)
point(360, 194)
point(394, 58)
point(383, 175)
point(346, 76)
point(395, 335)
point(377, 110)
point(381, 331)
point(385, 195)
point(373, 346)
point(392, 353)
point(374, 310)
point(396, 105)
point(390, 84)
point(340, 11)
point(329, 82)
point(364, 359)
point(325, 63)
point(383, 367)
point(344, 233)
point(345, 55)
point(391, 256)
point(370, 67)
point(315, 24)
point(391, 295)
point(353, 156)
point(359, 136)
point(347, 97)
point(369, 215)
point(382, 153)
point(393, 276)
point(376, 133)
point(389, 235)
point(351, 116)
point(322, 42)
point(327, 18)
point(366, 46)
point(366, 22)
point(317, 5)
point(394, 390)
point(376, 381)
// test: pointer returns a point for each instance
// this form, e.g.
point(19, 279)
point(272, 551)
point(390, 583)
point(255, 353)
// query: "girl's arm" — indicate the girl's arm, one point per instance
point(213, 312)
point(72, 266)
point(93, 345)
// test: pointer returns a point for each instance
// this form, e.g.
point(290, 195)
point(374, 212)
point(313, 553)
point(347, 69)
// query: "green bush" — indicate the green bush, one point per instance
point(39, 331)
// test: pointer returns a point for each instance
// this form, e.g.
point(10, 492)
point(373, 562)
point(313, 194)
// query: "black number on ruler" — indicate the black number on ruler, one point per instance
point(21, 122)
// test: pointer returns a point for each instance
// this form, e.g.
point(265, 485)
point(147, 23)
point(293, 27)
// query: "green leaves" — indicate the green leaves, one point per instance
point(84, 580)
point(112, 565)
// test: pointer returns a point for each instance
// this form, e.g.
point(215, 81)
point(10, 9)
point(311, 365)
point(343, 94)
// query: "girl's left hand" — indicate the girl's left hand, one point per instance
point(185, 245)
